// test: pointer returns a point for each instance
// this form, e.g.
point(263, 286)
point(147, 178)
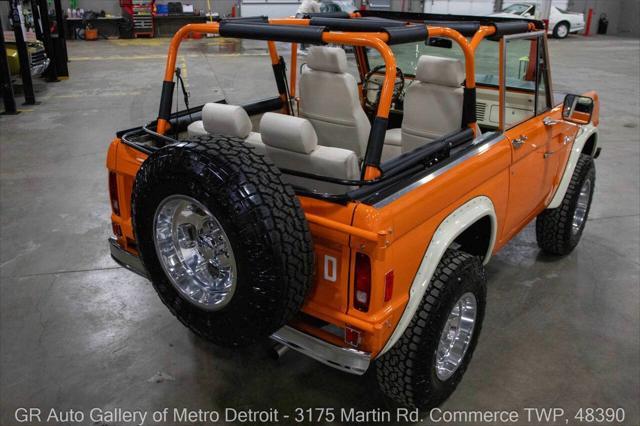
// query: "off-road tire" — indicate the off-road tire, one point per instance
point(554, 226)
point(406, 373)
point(260, 215)
point(556, 30)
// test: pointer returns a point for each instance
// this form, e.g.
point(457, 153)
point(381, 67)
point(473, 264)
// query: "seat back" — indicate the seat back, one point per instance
point(433, 102)
point(291, 143)
point(329, 100)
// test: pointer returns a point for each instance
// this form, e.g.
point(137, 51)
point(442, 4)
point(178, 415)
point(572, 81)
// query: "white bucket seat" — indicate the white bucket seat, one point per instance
point(432, 105)
point(329, 100)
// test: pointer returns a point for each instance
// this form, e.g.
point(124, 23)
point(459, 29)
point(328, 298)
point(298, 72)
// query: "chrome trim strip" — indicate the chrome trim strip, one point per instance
point(126, 259)
point(428, 178)
point(348, 360)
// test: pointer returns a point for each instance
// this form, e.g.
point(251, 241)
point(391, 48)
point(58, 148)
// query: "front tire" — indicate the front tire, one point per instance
point(223, 239)
point(561, 30)
point(426, 365)
point(559, 230)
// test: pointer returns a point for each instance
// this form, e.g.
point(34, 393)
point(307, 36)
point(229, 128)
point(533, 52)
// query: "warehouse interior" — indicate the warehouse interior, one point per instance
point(79, 331)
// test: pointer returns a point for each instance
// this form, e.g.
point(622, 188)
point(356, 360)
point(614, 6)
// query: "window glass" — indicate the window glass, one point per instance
point(517, 9)
point(543, 103)
point(407, 56)
point(520, 74)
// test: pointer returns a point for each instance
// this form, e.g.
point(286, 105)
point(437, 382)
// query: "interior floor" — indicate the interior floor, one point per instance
point(77, 331)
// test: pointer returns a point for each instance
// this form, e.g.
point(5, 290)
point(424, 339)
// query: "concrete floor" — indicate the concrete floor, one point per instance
point(78, 332)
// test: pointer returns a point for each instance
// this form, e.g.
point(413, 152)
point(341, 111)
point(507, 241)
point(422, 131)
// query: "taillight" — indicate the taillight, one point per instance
point(388, 286)
point(362, 294)
point(113, 193)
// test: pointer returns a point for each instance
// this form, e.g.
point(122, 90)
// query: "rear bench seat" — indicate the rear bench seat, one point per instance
point(223, 119)
point(289, 142)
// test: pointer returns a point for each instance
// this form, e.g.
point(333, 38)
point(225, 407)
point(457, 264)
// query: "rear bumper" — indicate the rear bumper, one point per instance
point(344, 359)
point(126, 259)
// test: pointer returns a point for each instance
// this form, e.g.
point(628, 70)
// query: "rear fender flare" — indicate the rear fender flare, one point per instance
point(446, 233)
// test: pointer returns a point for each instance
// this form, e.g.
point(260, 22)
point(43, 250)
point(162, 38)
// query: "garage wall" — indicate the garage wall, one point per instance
point(113, 6)
point(622, 15)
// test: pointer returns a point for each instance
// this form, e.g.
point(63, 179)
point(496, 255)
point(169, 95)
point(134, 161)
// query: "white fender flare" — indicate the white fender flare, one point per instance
point(450, 228)
point(581, 139)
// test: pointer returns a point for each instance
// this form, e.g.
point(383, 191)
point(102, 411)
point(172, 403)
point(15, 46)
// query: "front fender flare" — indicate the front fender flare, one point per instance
point(578, 145)
point(446, 233)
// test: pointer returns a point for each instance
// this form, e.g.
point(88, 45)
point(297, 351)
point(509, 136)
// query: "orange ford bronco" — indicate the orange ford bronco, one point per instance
point(350, 215)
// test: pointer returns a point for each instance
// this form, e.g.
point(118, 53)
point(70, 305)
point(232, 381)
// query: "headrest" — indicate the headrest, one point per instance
point(329, 59)
point(228, 120)
point(442, 71)
point(288, 132)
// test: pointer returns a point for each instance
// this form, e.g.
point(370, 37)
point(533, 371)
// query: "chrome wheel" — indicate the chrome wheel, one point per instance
point(194, 252)
point(562, 31)
point(582, 205)
point(456, 336)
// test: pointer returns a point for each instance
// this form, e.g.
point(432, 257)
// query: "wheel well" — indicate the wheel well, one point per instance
point(564, 22)
point(590, 145)
point(476, 238)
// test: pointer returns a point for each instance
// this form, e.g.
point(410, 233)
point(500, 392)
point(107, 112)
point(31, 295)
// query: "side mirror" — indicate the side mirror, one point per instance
point(577, 109)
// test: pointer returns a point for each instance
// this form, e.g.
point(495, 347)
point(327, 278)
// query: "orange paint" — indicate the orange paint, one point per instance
point(396, 235)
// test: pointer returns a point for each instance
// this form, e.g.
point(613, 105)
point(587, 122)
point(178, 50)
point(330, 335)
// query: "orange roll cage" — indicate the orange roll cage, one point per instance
point(375, 40)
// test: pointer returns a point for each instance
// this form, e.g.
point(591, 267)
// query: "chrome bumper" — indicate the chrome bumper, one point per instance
point(126, 259)
point(348, 360)
point(38, 69)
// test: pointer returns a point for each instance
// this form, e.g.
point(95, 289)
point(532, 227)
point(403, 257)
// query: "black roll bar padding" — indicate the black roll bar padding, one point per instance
point(466, 28)
point(283, 33)
point(259, 18)
point(340, 24)
point(469, 106)
point(507, 28)
point(343, 15)
point(165, 100)
point(418, 155)
point(375, 143)
point(406, 34)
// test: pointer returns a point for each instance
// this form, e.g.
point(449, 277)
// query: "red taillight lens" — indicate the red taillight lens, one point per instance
point(388, 286)
point(352, 336)
point(362, 294)
point(113, 193)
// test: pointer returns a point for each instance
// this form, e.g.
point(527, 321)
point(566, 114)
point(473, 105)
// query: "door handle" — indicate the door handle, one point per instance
point(519, 141)
point(548, 121)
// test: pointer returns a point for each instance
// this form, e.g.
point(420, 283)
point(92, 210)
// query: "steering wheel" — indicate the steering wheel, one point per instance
point(371, 84)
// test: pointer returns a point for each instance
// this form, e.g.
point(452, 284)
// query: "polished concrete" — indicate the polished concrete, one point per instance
point(78, 332)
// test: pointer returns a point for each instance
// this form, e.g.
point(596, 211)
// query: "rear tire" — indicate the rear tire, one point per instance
point(559, 230)
point(257, 214)
point(409, 373)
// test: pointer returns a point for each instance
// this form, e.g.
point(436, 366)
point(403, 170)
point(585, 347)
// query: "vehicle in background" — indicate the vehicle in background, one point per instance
point(37, 57)
point(330, 6)
point(561, 22)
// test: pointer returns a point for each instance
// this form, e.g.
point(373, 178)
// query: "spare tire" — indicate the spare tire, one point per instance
point(223, 238)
